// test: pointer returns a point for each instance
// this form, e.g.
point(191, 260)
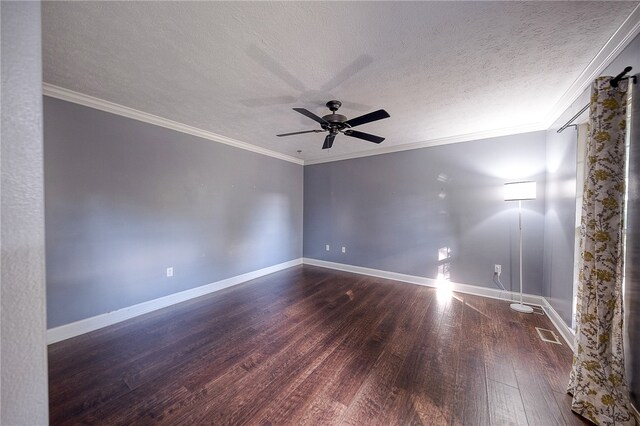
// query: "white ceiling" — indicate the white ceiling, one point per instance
point(441, 69)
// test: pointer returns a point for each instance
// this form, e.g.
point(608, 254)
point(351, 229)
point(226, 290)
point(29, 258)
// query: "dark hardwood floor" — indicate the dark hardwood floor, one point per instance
point(314, 346)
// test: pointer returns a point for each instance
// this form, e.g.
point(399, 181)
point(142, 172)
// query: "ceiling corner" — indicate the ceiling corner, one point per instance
point(625, 33)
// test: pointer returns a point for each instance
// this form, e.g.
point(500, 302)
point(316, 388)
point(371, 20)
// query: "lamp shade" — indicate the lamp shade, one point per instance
point(515, 191)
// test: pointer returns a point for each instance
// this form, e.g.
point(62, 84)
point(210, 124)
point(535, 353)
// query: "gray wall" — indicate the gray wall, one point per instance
point(392, 212)
point(23, 356)
point(632, 272)
point(560, 219)
point(126, 199)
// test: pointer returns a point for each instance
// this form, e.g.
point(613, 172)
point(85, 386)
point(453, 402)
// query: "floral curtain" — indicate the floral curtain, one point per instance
point(597, 380)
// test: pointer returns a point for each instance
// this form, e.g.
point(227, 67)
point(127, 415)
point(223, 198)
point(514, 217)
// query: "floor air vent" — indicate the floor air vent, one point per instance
point(548, 336)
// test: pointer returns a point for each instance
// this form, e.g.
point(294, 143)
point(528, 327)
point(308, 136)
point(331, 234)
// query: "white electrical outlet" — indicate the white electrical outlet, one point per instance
point(498, 269)
point(344, 249)
point(170, 272)
point(326, 247)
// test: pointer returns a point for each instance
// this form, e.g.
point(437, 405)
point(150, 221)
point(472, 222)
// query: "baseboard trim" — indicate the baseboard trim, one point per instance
point(429, 282)
point(87, 325)
point(565, 331)
point(635, 412)
point(530, 299)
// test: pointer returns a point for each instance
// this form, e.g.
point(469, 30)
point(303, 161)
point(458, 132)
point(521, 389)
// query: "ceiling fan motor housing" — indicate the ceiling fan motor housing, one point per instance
point(336, 121)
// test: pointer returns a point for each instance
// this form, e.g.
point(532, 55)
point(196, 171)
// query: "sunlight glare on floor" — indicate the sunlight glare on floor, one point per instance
point(444, 289)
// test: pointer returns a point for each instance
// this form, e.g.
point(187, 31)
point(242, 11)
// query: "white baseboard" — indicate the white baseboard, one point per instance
point(77, 328)
point(429, 282)
point(530, 299)
point(567, 333)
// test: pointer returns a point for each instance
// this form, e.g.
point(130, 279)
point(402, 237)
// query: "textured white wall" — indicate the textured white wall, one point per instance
point(23, 357)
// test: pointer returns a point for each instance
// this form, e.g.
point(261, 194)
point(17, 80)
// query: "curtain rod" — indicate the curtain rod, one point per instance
point(614, 83)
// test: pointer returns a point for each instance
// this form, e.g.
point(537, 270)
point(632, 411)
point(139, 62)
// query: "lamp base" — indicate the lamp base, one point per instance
point(519, 307)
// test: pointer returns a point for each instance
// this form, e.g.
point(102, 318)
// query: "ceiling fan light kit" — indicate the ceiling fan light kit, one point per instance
point(335, 123)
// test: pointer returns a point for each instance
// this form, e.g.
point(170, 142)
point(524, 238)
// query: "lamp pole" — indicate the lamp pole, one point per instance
point(520, 230)
point(518, 191)
point(521, 307)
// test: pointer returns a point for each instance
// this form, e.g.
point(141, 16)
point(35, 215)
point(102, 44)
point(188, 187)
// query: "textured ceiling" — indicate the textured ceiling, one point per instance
point(441, 69)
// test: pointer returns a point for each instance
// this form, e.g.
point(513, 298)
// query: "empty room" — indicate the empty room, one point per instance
point(331, 213)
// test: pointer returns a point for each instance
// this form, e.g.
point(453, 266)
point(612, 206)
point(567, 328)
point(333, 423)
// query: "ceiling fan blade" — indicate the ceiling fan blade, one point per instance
point(262, 58)
point(365, 136)
point(368, 118)
point(263, 102)
point(299, 133)
point(310, 115)
point(328, 141)
point(354, 67)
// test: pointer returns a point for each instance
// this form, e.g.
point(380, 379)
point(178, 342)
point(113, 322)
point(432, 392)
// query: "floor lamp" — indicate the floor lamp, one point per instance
point(518, 191)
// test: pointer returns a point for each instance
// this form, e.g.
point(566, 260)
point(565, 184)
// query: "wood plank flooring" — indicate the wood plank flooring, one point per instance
point(314, 346)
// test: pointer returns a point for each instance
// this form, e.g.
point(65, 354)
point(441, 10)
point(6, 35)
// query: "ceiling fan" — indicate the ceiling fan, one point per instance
point(338, 123)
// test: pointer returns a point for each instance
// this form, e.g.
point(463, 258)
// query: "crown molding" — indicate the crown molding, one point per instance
point(625, 33)
point(505, 131)
point(68, 95)
point(113, 108)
